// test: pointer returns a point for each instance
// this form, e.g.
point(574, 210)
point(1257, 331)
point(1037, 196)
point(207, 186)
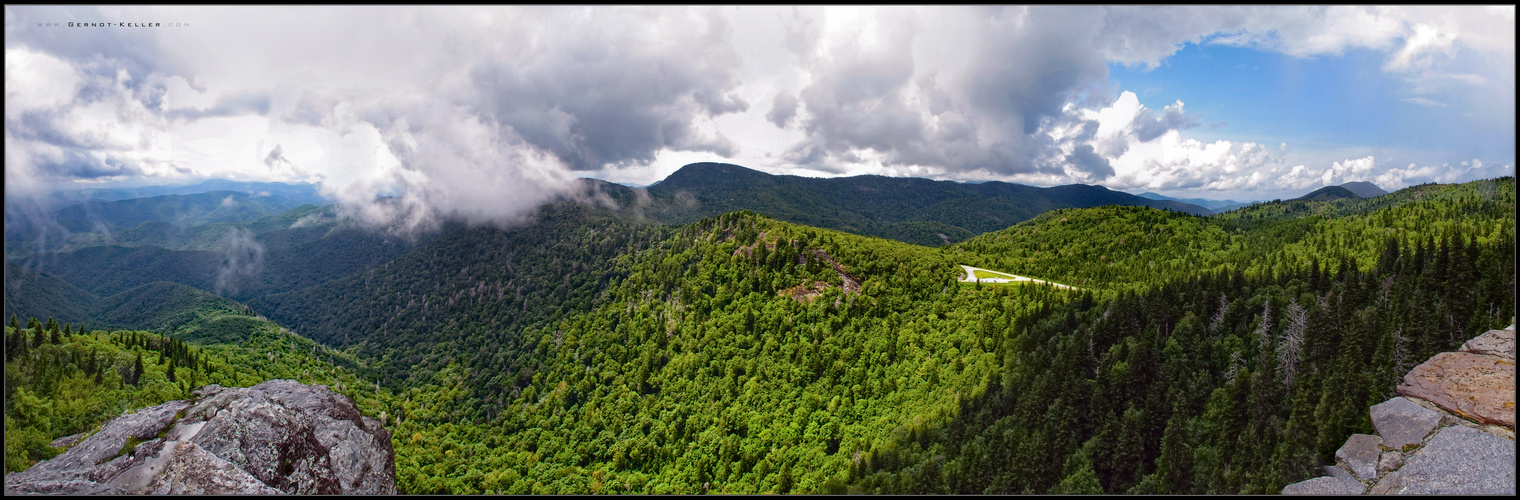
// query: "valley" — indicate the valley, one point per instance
point(729, 331)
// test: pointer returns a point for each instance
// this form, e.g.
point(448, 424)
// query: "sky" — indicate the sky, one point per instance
point(485, 112)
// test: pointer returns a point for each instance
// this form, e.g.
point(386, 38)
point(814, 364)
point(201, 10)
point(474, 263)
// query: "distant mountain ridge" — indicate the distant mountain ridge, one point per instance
point(1215, 206)
point(908, 209)
point(304, 192)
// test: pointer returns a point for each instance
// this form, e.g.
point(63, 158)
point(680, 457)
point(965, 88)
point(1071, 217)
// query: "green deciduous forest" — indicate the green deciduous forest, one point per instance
point(601, 351)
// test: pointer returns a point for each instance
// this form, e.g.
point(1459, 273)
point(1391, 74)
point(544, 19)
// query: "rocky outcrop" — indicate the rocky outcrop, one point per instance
point(1474, 386)
point(280, 436)
point(1458, 460)
point(1451, 431)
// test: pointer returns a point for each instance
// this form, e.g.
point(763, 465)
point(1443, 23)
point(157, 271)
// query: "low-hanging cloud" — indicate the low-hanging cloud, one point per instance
point(484, 134)
point(242, 258)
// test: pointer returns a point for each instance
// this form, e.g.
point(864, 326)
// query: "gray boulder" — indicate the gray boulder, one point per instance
point(1328, 485)
point(1458, 460)
point(1402, 423)
point(280, 436)
point(1495, 343)
point(1360, 454)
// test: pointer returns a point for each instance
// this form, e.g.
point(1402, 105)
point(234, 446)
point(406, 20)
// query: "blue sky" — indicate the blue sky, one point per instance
point(484, 112)
point(1320, 102)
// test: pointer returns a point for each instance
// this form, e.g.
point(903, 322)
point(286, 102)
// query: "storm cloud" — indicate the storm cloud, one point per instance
point(485, 112)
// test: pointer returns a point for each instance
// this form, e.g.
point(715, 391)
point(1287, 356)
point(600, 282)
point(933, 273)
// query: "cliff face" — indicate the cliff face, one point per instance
point(1451, 431)
point(280, 436)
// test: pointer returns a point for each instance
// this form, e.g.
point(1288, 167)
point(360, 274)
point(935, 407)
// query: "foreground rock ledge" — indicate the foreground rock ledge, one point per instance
point(1467, 398)
point(280, 436)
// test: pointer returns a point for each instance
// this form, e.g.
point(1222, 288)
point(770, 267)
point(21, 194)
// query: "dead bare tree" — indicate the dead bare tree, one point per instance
point(1264, 330)
point(1292, 341)
point(1217, 320)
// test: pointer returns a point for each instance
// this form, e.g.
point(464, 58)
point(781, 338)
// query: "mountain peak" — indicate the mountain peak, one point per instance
point(1328, 193)
point(710, 173)
point(1364, 189)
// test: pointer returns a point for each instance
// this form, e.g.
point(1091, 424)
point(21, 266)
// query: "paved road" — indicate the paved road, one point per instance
point(970, 277)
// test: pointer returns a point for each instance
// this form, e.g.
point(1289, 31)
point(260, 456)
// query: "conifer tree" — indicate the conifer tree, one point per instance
point(15, 345)
point(38, 335)
point(137, 370)
point(15, 323)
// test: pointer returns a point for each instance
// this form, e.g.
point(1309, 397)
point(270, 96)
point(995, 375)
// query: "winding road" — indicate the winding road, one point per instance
point(971, 278)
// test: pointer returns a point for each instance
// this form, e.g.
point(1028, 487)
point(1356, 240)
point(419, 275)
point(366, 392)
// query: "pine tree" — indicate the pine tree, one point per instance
point(15, 323)
point(170, 372)
point(38, 335)
point(15, 345)
point(137, 370)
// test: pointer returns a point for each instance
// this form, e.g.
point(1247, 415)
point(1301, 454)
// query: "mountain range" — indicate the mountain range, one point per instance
point(1357, 189)
point(730, 331)
point(912, 210)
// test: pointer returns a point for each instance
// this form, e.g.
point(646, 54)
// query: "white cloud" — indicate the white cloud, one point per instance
point(1420, 47)
point(480, 112)
point(1348, 171)
point(1414, 174)
point(1423, 102)
point(476, 113)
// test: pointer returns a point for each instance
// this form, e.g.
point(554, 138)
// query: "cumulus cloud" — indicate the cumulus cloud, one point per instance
point(245, 102)
point(783, 108)
point(610, 86)
point(869, 95)
point(482, 113)
point(1415, 174)
point(1348, 171)
point(435, 131)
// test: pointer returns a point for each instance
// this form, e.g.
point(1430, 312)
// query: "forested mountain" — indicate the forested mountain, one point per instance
point(176, 222)
point(1229, 376)
point(912, 210)
point(1328, 193)
point(740, 354)
point(1219, 383)
point(624, 342)
point(1364, 189)
point(299, 248)
point(40, 294)
point(161, 306)
point(1131, 248)
point(471, 290)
